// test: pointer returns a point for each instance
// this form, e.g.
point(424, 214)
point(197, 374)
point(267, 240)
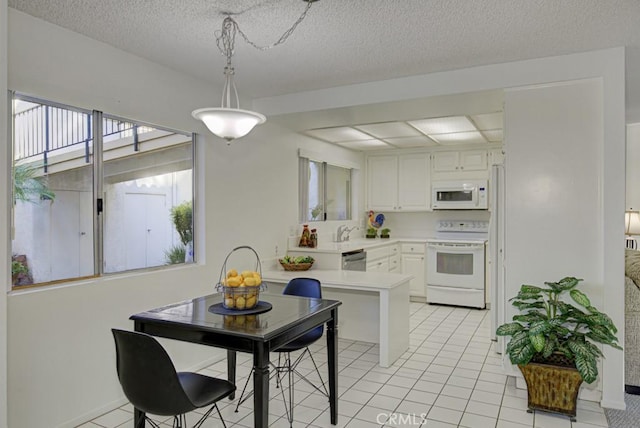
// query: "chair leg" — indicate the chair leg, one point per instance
point(242, 398)
point(324, 386)
point(205, 416)
point(142, 421)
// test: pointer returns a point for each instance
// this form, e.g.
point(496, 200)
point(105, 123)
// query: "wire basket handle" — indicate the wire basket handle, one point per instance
point(258, 267)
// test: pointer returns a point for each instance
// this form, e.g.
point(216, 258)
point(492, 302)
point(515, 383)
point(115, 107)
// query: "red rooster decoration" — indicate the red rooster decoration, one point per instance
point(377, 221)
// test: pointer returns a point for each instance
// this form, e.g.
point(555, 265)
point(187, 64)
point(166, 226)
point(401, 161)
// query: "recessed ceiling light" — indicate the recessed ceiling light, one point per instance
point(389, 129)
point(420, 141)
point(443, 125)
point(365, 145)
point(338, 135)
point(459, 138)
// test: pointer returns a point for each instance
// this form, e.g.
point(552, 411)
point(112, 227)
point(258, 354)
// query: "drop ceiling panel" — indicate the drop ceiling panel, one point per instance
point(411, 142)
point(488, 121)
point(473, 137)
point(366, 145)
point(443, 125)
point(338, 135)
point(389, 130)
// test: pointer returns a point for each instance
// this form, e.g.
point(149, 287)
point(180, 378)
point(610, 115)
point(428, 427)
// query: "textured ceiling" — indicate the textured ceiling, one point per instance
point(348, 41)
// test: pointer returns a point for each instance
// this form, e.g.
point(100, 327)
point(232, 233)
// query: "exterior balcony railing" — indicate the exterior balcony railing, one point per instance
point(43, 129)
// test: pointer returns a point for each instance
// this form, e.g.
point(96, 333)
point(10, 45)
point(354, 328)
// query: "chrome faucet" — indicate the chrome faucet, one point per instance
point(342, 229)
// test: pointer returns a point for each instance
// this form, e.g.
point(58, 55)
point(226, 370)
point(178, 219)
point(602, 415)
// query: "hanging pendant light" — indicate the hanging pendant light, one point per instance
point(229, 121)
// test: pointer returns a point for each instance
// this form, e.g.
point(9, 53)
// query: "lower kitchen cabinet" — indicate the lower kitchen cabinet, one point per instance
point(383, 259)
point(414, 263)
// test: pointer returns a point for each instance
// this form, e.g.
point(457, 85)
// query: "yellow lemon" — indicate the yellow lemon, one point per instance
point(234, 281)
point(229, 303)
point(250, 281)
point(251, 302)
point(231, 273)
point(240, 303)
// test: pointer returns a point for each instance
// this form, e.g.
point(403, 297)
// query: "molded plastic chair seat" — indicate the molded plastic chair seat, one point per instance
point(152, 385)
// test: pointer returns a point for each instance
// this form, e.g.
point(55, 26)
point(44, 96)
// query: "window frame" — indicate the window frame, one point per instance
point(95, 153)
point(304, 160)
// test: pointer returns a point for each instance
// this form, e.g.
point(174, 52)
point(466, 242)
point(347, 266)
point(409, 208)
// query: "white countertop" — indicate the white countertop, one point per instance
point(371, 281)
point(355, 244)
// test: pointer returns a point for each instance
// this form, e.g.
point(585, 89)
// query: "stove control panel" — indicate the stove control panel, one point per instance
point(478, 226)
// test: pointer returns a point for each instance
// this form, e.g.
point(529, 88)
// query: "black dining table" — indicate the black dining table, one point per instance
point(288, 318)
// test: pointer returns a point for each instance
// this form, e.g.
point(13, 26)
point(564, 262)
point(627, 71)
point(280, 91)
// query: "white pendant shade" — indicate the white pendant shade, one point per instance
point(229, 123)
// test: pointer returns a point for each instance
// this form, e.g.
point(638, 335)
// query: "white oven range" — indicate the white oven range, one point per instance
point(456, 263)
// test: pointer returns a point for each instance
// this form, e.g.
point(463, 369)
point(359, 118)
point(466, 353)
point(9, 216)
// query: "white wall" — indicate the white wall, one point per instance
point(5, 251)
point(59, 336)
point(554, 180)
point(607, 65)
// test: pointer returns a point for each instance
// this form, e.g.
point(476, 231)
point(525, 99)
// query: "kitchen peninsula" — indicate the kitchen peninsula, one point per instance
point(375, 305)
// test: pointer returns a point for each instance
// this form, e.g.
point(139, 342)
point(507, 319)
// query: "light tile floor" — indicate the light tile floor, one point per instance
point(449, 377)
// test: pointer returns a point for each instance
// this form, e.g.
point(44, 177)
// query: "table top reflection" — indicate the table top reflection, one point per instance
point(194, 314)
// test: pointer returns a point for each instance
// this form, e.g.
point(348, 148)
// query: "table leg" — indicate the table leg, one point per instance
point(332, 354)
point(231, 370)
point(139, 417)
point(260, 386)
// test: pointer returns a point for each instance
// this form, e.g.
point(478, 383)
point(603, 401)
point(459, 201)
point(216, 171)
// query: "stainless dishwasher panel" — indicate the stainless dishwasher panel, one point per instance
point(354, 260)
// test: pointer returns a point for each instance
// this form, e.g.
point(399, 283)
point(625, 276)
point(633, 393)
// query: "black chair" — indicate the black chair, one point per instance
point(304, 287)
point(152, 385)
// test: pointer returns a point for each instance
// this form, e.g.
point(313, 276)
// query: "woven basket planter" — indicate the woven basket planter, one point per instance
point(552, 388)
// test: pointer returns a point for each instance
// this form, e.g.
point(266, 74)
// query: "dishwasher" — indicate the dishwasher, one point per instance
point(354, 260)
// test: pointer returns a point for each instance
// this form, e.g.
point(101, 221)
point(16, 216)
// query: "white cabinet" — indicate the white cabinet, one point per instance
point(398, 183)
point(382, 183)
point(414, 263)
point(394, 259)
point(383, 259)
point(465, 160)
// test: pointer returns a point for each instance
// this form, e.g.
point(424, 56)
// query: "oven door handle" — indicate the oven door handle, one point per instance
point(454, 247)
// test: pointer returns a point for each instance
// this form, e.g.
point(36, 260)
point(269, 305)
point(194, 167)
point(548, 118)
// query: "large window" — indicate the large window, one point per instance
point(325, 191)
point(96, 194)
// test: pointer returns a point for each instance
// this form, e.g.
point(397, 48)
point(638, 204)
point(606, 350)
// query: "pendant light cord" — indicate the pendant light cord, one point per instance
point(225, 39)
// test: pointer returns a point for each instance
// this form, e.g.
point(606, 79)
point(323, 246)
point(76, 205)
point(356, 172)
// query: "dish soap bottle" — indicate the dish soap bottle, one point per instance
point(305, 237)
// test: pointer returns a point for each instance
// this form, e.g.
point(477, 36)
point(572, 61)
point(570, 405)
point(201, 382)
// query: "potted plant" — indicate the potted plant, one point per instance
point(371, 233)
point(19, 271)
point(552, 343)
point(384, 233)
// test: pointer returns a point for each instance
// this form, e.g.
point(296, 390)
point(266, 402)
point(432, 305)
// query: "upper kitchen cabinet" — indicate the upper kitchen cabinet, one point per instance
point(468, 160)
point(398, 183)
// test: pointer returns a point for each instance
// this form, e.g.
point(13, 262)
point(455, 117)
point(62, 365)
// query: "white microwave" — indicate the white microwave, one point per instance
point(459, 195)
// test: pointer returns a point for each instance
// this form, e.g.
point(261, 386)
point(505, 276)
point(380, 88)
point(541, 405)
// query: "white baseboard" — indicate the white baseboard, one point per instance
point(613, 404)
point(99, 411)
point(94, 413)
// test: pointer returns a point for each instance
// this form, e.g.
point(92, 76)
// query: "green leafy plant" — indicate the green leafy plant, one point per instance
point(28, 186)
point(549, 326)
point(297, 260)
point(175, 255)
point(18, 268)
point(385, 232)
point(372, 232)
point(182, 217)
